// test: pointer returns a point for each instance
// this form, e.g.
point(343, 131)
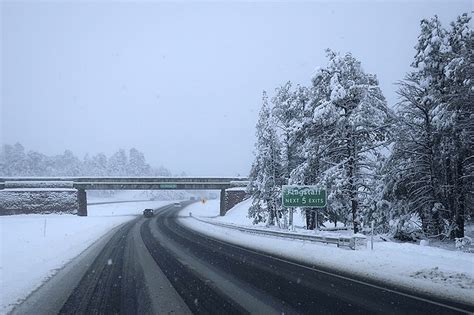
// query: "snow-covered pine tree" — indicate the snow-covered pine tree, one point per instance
point(287, 110)
point(413, 173)
point(67, 164)
point(378, 207)
point(265, 177)
point(430, 158)
point(284, 113)
point(99, 165)
point(36, 163)
point(307, 136)
point(87, 165)
point(161, 171)
point(14, 160)
point(429, 62)
point(300, 100)
point(455, 121)
point(351, 119)
point(117, 164)
point(136, 164)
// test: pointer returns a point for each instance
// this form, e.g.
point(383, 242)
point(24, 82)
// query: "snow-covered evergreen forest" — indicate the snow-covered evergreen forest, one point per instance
point(16, 161)
point(408, 166)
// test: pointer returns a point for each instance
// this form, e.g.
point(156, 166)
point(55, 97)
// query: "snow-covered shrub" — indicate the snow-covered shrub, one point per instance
point(463, 243)
point(424, 243)
point(406, 228)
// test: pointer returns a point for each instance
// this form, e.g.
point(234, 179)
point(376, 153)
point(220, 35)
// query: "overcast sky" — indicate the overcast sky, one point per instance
point(182, 82)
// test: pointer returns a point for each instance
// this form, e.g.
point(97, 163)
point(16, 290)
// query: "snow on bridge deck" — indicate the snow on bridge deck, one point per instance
point(125, 183)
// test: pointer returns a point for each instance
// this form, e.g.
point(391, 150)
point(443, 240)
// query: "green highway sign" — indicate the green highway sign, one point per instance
point(303, 196)
point(168, 186)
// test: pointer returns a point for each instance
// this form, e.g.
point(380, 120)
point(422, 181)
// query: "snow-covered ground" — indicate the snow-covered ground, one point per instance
point(123, 195)
point(431, 270)
point(33, 247)
point(238, 215)
point(139, 195)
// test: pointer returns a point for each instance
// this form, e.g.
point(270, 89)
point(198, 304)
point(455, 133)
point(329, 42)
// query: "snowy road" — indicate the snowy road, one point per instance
point(159, 266)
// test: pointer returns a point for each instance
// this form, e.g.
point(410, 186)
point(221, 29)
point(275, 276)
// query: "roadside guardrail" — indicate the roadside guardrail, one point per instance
point(346, 241)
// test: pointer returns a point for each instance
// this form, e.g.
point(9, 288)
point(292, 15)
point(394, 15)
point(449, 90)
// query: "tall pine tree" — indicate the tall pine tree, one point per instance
point(265, 178)
point(346, 124)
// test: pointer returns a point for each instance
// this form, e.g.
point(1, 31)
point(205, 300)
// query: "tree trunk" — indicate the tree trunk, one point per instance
point(310, 219)
point(351, 174)
point(271, 215)
point(355, 219)
point(353, 196)
point(450, 195)
point(460, 202)
point(277, 218)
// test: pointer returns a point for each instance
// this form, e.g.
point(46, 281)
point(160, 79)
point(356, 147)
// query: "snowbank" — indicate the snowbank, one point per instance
point(33, 247)
point(429, 270)
point(238, 214)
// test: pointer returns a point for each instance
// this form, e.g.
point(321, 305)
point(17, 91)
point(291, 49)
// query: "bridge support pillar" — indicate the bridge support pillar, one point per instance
point(82, 202)
point(223, 207)
point(231, 197)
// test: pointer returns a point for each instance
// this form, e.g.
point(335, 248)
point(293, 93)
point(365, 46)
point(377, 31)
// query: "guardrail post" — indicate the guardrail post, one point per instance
point(352, 243)
point(292, 225)
point(82, 202)
point(223, 205)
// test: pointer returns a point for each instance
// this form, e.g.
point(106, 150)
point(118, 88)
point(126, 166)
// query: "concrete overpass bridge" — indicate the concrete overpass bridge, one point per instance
point(82, 184)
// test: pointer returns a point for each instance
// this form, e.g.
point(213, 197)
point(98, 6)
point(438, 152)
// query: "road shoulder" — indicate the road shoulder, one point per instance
point(62, 284)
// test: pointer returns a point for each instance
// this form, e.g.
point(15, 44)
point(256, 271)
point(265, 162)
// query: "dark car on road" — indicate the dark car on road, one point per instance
point(148, 213)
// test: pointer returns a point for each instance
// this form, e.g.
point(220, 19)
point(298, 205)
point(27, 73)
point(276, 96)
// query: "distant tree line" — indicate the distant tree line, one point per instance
point(410, 169)
point(16, 161)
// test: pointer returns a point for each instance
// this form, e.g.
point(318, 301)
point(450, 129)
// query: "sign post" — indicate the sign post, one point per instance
point(303, 197)
point(292, 225)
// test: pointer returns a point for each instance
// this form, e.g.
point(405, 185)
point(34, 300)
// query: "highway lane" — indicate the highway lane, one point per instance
point(286, 286)
point(157, 266)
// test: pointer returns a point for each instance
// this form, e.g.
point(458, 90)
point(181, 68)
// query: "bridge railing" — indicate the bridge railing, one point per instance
point(125, 182)
point(126, 178)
